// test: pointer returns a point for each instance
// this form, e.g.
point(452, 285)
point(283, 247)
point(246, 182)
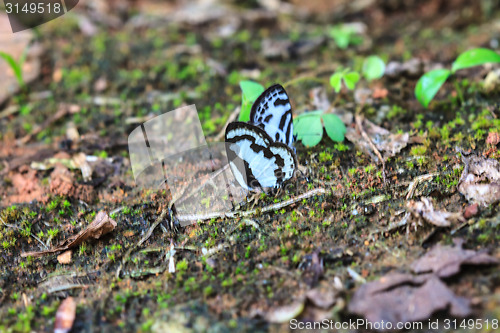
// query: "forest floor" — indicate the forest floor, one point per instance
point(413, 240)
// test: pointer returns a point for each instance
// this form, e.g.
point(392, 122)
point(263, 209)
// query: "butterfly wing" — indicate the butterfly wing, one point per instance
point(272, 112)
point(255, 160)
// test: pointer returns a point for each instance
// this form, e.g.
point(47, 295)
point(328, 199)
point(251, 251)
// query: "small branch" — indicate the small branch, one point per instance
point(148, 234)
point(418, 180)
point(252, 211)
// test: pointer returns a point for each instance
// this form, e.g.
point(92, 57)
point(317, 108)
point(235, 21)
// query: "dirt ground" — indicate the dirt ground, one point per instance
point(413, 240)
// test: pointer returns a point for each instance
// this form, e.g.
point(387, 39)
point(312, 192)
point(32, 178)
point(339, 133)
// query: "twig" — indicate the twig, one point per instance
point(359, 123)
point(393, 226)
point(355, 276)
point(214, 250)
point(64, 109)
point(252, 211)
point(148, 234)
point(231, 118)
point(418, 180)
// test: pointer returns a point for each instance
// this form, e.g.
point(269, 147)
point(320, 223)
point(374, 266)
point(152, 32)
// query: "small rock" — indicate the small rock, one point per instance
point(493, 138)
point(64, 258)
point(471, 211)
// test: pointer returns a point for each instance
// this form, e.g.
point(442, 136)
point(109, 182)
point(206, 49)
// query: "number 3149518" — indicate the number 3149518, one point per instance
point(471, 324)
point(33, 8)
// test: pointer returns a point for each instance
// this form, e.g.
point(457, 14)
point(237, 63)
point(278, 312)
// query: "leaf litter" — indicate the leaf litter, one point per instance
point(480, 180)
point(424, 210)
point(388, 143)
point(101, 225)
point(403, 297)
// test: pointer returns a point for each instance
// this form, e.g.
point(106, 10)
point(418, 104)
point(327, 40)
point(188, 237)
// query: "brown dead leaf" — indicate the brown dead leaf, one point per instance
point(285, 313)
point(322, 296)
point(101, 225)
point(424, 209)
point(405, 298)
point(64, 258)
point(65, 316)
point(388, 144)
point(445, 261)
point(480, 180)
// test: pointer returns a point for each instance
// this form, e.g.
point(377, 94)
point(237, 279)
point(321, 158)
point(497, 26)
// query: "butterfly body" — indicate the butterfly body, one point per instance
point(260, 152)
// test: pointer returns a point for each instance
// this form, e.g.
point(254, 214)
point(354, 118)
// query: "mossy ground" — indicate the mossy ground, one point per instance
point(263, 259)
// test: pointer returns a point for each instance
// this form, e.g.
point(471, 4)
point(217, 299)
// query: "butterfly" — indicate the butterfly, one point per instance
point(261, 152)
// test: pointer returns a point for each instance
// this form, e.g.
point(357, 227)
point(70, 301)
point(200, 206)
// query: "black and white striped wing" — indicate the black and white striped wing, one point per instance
point(255, 159)
point(272, 112)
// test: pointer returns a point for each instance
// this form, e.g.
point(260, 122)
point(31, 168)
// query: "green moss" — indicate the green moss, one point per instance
point(340, 147)
point(182, 265)
point(325, 156)
point(395, 111)
point(418, 150)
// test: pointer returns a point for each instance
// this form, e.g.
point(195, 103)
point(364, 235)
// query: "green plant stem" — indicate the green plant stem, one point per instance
point(459, 93)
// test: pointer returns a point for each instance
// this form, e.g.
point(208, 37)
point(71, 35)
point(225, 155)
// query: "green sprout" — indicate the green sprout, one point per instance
point(430, 83)
point(15, 65)
point(344, 35)
point(308, 127)
point(349, 77)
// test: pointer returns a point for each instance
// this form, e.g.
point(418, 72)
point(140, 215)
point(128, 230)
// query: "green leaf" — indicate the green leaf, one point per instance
point(373, 68)
point(344, 36)
point(334, 127)
point(351, 79)
point(250, 90)
point(336, 81)
point(308, 129)
point(16, 66)
point(341, 36)
point(429, 84)
point(474, 57)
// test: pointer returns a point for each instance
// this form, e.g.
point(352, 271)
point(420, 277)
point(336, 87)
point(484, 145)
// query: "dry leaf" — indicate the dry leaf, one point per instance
point(445, 261)
point(322, 296)
point(424, 209)
point(65, 316)
point(101, 225)
point(388, 144)
point(283, 314)
point(480, 180)
point(65, 257)
point(405, 298)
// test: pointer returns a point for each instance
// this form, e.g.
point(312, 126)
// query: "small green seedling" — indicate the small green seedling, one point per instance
point(373, 68)
point(16, 66)
point(350, 79)
point(430, 83)
point(344, 35)
point(250, 90)
point(308, 127)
